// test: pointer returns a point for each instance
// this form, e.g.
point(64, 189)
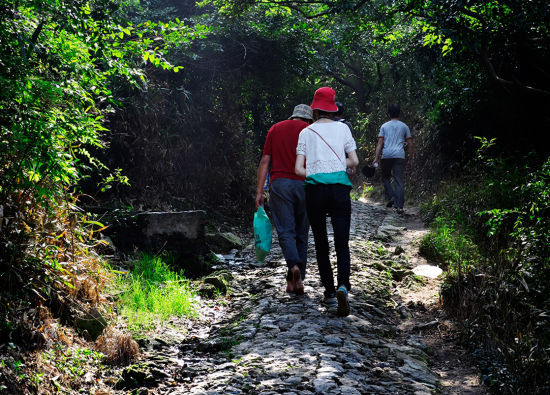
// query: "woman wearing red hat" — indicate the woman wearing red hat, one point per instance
point(329, 149)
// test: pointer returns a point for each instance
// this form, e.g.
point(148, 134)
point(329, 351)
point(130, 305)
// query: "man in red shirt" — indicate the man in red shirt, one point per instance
point(287, 197)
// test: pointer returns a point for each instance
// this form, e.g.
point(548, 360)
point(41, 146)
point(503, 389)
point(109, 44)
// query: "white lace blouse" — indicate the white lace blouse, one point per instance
point(320, 158)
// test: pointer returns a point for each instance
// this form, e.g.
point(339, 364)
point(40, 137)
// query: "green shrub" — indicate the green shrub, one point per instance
point(61, 64)
point(492, 230)
point(452, 249)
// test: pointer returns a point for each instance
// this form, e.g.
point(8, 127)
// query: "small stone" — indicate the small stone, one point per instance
point(224, 242)
point(398, 250)
point(218, 281)
point(323, 386)
point(349, 390)
point(333, 340)
point(92, 322)
point(293, 380)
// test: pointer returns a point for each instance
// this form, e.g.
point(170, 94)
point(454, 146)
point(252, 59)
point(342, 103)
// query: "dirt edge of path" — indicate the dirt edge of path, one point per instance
point(426, 318)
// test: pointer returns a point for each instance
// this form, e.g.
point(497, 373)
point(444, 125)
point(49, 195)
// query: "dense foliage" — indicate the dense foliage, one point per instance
point(257, 64)
point(97, 91)
point(60, 63)
point(492, 230)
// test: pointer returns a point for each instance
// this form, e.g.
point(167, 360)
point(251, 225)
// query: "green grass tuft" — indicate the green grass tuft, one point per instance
point(361, 192)
point(152, 291)
point(449, 247)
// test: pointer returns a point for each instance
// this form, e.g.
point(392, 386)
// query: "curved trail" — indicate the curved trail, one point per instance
point(264, 341)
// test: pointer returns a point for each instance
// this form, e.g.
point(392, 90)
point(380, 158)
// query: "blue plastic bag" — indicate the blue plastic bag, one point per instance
point(262, 234)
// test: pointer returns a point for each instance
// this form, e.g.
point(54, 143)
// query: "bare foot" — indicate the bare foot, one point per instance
point(297, 279)
point(289, 286)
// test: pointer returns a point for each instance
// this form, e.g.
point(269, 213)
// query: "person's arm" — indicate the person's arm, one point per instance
point(352, 161)
point(379, 147)
point(300, 167)
point(262, 173)
point(411, 153)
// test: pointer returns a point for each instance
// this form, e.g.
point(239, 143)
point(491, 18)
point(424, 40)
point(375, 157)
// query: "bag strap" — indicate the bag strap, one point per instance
point(321, 137)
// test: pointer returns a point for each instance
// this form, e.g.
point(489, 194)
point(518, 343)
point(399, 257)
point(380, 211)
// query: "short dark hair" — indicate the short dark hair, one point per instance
point(322, 113)
point(340, 108)
point(394, 110)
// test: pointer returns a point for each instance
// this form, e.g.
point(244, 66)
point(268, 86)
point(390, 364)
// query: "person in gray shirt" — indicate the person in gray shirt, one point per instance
point(392, 138)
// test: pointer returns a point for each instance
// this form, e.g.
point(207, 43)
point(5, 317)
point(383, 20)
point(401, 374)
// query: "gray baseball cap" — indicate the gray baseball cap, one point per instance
point(302, 111)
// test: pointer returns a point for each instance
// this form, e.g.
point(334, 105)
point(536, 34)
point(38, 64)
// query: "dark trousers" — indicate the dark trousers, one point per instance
point(393, 169)
point(288, 208)
point(334, 200)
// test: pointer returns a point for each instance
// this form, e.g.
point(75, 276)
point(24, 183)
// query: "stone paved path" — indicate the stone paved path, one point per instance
point(264, 341)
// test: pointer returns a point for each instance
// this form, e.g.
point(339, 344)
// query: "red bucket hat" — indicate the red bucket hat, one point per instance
point(324, 100)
